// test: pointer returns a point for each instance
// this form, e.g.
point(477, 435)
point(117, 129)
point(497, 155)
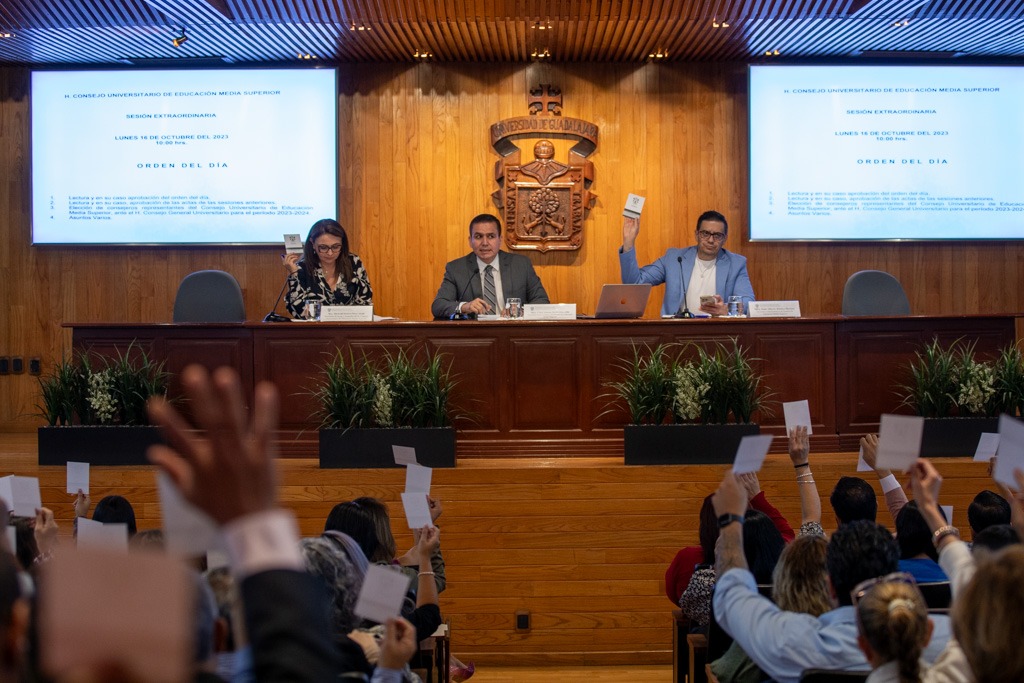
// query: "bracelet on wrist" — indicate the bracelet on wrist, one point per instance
point(942, 532)
point(728, 518)
point(803, 464)
point(426, 574)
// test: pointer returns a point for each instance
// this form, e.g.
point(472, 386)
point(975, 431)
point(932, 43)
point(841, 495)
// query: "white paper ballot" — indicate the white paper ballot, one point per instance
point(1011, 451)
point(189, 531)
point(417, 510)
point(93, 534)
point(634, 205)
point(988, 444)
point(417, 478)
point(382, 594)
point(948, 511)
point(404, 455)
point(750, 455)
point(862, 464)
point(293, 244)
point(25, 499)
point(7, 492)
point(899, 441)
point(798, 414)
point(78, 477)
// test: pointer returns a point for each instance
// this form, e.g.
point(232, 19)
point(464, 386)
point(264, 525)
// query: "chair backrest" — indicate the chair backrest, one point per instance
point(874, 292)
point(209, 296)
point(829, 675)
point(936, 594)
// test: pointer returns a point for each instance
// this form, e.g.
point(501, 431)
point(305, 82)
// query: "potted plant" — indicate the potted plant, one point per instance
point(367, 408)
point(95, 409)
point(960, 396)
point(680, 409)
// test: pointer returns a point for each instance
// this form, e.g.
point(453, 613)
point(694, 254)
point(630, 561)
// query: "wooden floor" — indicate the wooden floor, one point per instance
point(566, 674)
point(581, 544)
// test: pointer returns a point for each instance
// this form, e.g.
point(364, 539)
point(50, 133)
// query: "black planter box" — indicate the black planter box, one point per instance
point(99, 445)
point(371, 448)
point(953, 437)
point(684, 444)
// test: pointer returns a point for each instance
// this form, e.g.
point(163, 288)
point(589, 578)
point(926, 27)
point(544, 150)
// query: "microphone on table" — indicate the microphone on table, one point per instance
point(465, 290)
point(684, 310)
point(274, 316)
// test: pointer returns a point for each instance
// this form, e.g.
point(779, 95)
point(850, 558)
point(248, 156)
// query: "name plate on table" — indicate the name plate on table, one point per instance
point(774, 309)
point(346, 314)
point(549, 311)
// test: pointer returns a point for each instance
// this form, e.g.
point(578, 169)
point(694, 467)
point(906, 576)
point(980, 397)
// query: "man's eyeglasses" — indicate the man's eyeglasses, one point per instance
point(864, 587)
point(714, 236)
point(328, 248)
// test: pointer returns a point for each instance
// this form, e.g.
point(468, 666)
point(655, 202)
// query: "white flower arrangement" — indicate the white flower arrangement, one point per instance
point(690, 390)
point(382, 401)
point(100, 398)
point(976, 382)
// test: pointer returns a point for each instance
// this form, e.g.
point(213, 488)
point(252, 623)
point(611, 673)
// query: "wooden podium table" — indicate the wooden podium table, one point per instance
point(539, 388)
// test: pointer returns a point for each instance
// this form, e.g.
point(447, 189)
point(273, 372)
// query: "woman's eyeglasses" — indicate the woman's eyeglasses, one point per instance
point(328, 248)
point(864, 587)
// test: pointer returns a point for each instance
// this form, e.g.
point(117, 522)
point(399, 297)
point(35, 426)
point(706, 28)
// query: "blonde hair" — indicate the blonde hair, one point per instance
point(893, 619)
point(800, 580)
point(988, 617)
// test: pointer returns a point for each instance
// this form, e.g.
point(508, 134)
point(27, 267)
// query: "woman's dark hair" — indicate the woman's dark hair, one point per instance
point(355, 520)
point(762, 545)
point(311, 260)
point(378, 511)
point(708, 532)
point(115, 510)
point(912, 533)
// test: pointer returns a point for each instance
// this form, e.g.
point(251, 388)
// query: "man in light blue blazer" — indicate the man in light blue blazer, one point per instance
point(462, 294)
point(705, 270)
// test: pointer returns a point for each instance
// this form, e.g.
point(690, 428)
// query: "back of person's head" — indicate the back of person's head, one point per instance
point(151, 540)
point(858, 551)
point(853, 499)
point(988, 617)
point(987, 509)
point(353, 551)
point(382, 523)
point(762, 545)
point(993, 538)
point(355, 520)
point(913, 534)
point(800, 580)
point(326, 559)
point(115, 510)
point(708, 531)
point(893, 619)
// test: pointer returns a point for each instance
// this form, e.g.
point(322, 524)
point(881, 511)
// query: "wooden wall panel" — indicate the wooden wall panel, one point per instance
point(416, 165)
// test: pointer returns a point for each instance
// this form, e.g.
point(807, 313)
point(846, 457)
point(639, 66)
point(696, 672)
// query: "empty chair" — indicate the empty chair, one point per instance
point(209, 296)
point(874, 292)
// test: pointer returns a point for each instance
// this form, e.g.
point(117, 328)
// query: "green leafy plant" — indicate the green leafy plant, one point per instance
point(659, 386)
point(90, 389)
point(402, 391)
point(1008, 394)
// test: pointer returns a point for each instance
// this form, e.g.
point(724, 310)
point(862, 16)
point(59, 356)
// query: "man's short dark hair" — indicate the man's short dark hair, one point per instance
point(912, 533)
point(484, 218)
point(987, 509)
point(853, 499)
point(713, 216)
point(995, 537)
point(858, 551)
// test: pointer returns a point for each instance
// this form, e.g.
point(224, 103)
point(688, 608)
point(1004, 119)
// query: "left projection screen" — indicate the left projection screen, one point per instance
point(220, 156)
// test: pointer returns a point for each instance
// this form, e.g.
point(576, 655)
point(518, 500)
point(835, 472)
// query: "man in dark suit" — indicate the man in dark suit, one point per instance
point(481, 281)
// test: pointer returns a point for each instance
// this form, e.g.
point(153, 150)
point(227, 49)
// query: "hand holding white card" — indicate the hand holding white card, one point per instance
point(634, 206)
point(1011, 451)
point(293, 244)
point(862, 464)
point(899, 442)
point(382, 594)
point(988, 445)
point(417, 478)
point(404, 455)
point(751, 453)
point(417, 510)
point(78, 477)
point(798, 414)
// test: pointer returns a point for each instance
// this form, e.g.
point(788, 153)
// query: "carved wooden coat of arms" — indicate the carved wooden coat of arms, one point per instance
point(544, 201)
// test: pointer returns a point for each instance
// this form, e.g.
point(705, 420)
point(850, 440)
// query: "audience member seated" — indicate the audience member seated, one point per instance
point(918, 556)
point(110, 510)
point(810, 502)
point(892, 627)
point(799, 584)
point(895, 498)
point(992, 538)
point(783, 643)
point(987, 509)
point(687, 560)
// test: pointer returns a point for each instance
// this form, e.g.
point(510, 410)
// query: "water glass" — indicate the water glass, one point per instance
point(513, 308)
point(312, 308)
point(735, 306)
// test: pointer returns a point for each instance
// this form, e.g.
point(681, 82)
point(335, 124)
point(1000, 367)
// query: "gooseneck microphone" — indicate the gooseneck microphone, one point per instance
point(274, 316)
point(684, 310)
point(465, 290)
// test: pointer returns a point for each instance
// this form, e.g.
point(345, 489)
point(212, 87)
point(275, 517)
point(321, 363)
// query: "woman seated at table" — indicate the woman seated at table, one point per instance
point(326, 271)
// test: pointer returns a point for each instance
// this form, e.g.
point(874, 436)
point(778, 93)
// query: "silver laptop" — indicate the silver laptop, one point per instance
point(622, 301)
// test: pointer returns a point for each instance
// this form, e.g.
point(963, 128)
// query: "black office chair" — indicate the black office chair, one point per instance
point(937, 594)
point(874, 292)
point(209, 296)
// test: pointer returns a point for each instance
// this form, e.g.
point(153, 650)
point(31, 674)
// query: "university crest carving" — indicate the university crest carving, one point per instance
point(543, 202)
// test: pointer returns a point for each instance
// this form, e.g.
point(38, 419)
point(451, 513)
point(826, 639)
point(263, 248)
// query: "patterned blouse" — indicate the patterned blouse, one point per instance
point(355, 292)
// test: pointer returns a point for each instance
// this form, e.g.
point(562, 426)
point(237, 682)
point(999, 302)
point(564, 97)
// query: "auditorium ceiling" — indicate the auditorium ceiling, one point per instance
point(143, 32)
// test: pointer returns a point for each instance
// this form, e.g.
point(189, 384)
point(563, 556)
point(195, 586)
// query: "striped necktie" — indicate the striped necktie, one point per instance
point(489, 294)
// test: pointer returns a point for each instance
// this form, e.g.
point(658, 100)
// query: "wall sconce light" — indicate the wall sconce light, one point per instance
point(540, 54)
point(422, 54)
point(180, 40)
point(660, 54)
point(719, 24)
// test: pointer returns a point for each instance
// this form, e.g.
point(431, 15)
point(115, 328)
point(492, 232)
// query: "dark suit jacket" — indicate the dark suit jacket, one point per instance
point(462, 283)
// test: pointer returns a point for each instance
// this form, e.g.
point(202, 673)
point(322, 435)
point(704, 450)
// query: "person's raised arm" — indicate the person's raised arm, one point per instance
point(810, 500)
point(730, 503)
point(426, 545)
point(630, 230)
point(895, 498)
point(955, 558)
point(757, 501)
